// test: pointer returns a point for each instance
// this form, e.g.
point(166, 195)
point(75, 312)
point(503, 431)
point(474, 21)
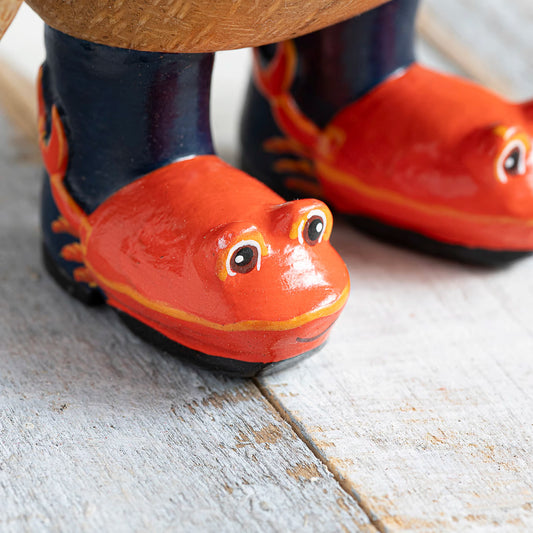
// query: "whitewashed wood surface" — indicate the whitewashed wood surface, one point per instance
point(417, 416)
point(492, 39)
point(423, 405)
point(100, 432)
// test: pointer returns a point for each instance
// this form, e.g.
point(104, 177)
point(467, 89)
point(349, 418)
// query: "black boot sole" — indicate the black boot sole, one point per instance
point(229, 367)
point(420, 243)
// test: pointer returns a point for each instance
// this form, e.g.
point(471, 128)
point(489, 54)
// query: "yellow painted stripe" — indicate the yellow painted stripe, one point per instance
point(244, 325)
point(334, 175)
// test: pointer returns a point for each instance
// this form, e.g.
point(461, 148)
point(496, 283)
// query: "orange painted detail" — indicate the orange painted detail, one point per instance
point(423, 151)
point(206, 255)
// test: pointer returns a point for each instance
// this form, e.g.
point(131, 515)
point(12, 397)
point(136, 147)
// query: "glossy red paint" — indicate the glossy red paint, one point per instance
point(423, 151)
point(207, 256)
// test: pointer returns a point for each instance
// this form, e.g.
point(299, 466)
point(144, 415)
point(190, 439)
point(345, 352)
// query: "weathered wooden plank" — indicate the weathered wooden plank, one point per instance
point(100, 432)
point(422, 404)
point(491, 39)
point(18, 100)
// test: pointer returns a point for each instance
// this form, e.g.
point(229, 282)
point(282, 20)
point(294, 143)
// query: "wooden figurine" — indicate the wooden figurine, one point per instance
point(199, 258)
point(418, 158)
point(137, 211)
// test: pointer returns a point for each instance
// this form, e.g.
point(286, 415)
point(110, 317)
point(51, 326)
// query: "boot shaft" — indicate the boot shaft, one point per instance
point(126, 112)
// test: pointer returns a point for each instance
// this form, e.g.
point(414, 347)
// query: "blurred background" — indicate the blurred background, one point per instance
point(450, 39)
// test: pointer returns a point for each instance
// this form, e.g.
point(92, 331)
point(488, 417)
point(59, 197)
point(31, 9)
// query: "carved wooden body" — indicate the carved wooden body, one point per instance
point(8, 10)
point(188, 25)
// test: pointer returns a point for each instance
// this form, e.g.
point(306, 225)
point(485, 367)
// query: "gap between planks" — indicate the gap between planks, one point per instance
point(343, 483)
point(17, 97)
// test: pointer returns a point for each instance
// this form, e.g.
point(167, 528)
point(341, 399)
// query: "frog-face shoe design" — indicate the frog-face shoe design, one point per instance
point(415, 157)
point(196, 256)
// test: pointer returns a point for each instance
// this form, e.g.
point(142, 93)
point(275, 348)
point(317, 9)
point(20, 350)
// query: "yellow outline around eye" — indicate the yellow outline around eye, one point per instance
point(295, 228)
point(509, 135)
point(222, 272)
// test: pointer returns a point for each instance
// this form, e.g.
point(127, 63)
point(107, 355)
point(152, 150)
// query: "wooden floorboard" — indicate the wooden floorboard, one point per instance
point(490, 39)
point(100, 432)
point(422, 404)
point(418, 415)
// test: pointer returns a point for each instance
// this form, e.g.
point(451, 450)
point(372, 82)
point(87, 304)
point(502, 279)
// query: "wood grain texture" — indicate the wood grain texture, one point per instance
point(18, 100)
point(193, 25)
point(100, 432)
point(422, 405)
point(8, 10)
point(491, 39)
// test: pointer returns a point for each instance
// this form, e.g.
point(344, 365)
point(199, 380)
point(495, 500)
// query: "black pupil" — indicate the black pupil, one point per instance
point(243, 256)
point(315, 229)
point(511, 163)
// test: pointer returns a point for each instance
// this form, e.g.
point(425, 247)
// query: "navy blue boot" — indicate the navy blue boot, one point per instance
point(335, 67)
point(125, 113)
point(414, 157)
point(197, 257)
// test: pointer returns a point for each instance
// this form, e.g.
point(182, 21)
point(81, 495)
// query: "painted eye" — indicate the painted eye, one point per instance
point(313, 230)
point(512, 161)
point(312, 227)
point(244, 260)
point(244, 257)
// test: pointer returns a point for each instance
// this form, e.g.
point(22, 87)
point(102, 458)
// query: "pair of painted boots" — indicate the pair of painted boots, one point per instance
point(205, 261)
